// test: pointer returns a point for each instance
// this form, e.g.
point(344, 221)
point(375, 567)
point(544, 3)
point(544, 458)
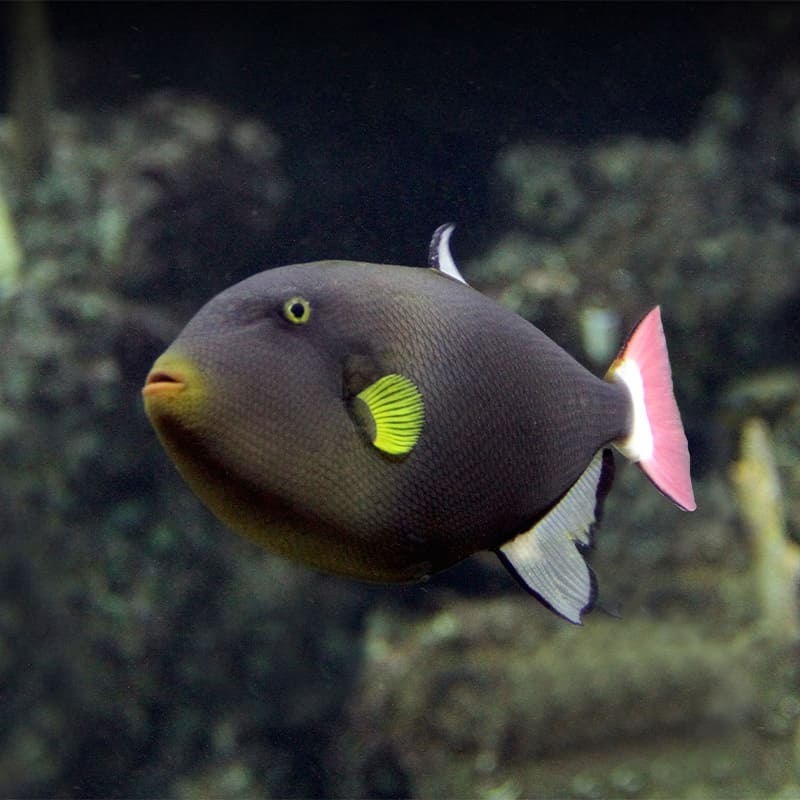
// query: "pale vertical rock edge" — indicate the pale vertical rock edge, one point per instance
point(776, 557)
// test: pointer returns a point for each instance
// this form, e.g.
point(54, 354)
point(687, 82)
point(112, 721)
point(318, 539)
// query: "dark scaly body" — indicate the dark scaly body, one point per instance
point(511, 419)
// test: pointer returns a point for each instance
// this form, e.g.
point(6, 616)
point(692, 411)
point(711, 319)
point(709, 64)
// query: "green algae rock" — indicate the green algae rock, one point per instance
point(10, 254)
point(484, 699)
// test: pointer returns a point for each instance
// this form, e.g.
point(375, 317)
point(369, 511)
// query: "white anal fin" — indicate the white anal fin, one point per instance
point(546, 558)
point(439, 257)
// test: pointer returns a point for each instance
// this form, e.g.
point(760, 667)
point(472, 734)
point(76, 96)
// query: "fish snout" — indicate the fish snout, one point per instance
point(173, 383)
point(163, 382)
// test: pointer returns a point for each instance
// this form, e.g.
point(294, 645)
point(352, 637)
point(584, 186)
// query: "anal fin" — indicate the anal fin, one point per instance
point(547, 560)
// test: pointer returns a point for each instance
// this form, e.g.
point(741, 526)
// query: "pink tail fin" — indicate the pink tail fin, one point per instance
point(656, 441)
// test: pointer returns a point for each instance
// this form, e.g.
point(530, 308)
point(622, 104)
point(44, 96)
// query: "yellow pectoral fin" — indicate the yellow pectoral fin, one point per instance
point(393, 412)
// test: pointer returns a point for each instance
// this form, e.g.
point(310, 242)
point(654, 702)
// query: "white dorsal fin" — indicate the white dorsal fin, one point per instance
point(439, 256)
point(546, 559)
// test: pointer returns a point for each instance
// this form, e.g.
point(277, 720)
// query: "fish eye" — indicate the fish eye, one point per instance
point(297, 310)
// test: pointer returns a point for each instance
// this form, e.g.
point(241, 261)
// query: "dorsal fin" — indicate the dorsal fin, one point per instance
point(547, 559)
point(439, 257)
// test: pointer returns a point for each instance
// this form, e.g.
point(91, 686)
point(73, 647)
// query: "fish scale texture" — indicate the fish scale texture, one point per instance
point(511, 420)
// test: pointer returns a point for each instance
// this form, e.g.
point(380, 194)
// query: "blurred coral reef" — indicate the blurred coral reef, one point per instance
point(144, 651)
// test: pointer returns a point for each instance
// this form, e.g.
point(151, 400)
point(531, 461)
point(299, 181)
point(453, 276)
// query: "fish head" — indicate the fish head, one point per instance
point(253, 384)
point(259, 401)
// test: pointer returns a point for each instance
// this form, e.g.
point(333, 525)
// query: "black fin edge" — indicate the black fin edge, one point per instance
point(607, 472)
point(433, 250)
point(585, 610)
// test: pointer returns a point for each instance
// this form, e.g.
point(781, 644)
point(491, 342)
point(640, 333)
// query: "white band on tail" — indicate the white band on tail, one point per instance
point(639, 444)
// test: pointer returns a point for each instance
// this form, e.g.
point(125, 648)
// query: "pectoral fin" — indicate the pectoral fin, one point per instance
point(547, 560)
point(391, 412)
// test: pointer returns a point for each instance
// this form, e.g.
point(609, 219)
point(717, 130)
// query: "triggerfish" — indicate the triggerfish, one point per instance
point(384, 422)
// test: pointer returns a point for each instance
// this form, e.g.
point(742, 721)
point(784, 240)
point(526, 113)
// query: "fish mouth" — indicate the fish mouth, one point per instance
point(164, 381)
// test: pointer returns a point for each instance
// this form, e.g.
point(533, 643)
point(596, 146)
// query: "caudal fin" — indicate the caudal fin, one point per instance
point(656, 440)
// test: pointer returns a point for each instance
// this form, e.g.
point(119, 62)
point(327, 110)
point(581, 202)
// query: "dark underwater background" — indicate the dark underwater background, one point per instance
point(597, 159)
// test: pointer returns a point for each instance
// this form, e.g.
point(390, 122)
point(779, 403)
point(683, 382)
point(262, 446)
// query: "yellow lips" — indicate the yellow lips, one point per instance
point(171, 387)
point(160, 383)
